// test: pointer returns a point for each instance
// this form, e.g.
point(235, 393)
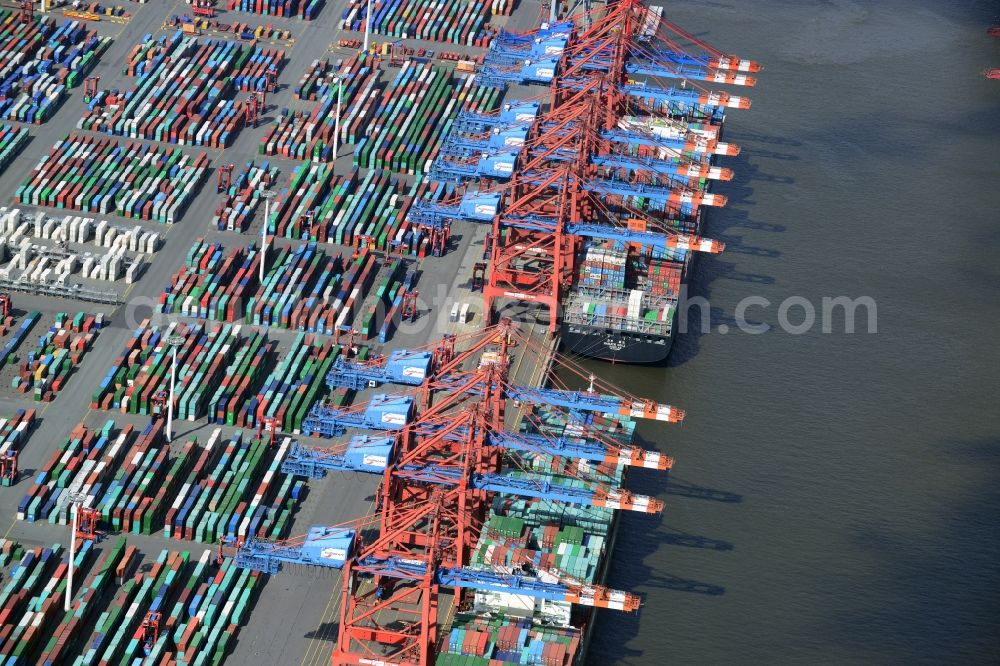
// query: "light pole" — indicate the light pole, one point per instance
point(553, 12)
point(174, 341)
point(75, 499)
point(268, 195)
point(368, 24)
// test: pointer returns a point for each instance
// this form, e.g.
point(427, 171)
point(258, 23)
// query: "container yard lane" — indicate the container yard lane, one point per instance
point(295, 618)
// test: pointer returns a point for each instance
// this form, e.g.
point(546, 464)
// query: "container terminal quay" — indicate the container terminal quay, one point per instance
point(293, 314)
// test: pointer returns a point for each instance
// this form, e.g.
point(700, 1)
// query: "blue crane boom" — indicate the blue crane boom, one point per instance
point(409, 368)
point(512, 114)
point(502, 74)
point(382, 413)
point(507, 138)
point(670, 167)
point(648, 67)
point(483, 207)
point(393, 412)
point(678, 146)
point(456, 164)
point(372, 454)
point(532, 488)
point(326, 547)
point(363, 454)
point(270, 558)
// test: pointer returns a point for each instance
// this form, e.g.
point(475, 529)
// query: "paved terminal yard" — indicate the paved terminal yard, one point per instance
point(294, 618)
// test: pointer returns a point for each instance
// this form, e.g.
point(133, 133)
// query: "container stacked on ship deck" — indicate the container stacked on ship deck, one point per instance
point(547, 539)
point(626, 288)
point(483, 641)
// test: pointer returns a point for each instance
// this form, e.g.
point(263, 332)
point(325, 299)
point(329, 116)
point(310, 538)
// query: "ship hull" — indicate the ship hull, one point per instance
point(615, 346)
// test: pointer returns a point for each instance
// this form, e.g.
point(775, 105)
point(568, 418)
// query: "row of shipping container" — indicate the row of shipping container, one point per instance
point(40, 61)
point(12, 142)
point(136, 482)
point(464, 22)
point(185, 91)
point(243, 196)
point(199, 605)
point(44, 369)
point(409, 125)
point(103, 176)
point(304, 9)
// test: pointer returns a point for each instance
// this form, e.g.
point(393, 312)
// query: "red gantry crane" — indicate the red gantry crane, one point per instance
point(441, 464)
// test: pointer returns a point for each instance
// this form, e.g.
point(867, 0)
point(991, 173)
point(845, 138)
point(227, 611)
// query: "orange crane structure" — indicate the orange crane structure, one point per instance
point(440, 469)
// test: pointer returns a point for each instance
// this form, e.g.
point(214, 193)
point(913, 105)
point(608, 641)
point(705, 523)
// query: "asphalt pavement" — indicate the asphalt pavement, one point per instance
point(295, 618)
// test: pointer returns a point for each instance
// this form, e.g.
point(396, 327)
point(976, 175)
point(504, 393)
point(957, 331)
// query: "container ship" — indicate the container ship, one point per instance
point(622, 305)
point(545, 539)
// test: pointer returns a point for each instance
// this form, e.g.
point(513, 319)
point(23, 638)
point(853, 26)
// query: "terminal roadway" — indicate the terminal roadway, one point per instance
point(294, 620)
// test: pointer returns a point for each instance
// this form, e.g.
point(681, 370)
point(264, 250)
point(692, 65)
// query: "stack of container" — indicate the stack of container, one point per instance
point(393, 298)
point(297, 382)
point(143, 370)
point(603, 267)
point(460, 22)
point(89, 600)
point(241, 200)
point(101, 175)
point(33, 599)
point(39, 62)
point(137, 483)
point(201, 606)
point(12, 141)
point(304, 288)
point(49, 365)
point(184, 91)
point(212, 285)
point(266, 33)
point(243, 377)
point(505, 544)
point(251, 74)
point(320, 80)
point(90, 463)
point(310, 136)
point(386, 298)
point(495, 641)
point(18, 336)
point(366, 211)
point(409, 125)
point(13, 436)
point(304, 9)
point(234, 488)
point(298, 289)
point(16, 224)
point(660, 277)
